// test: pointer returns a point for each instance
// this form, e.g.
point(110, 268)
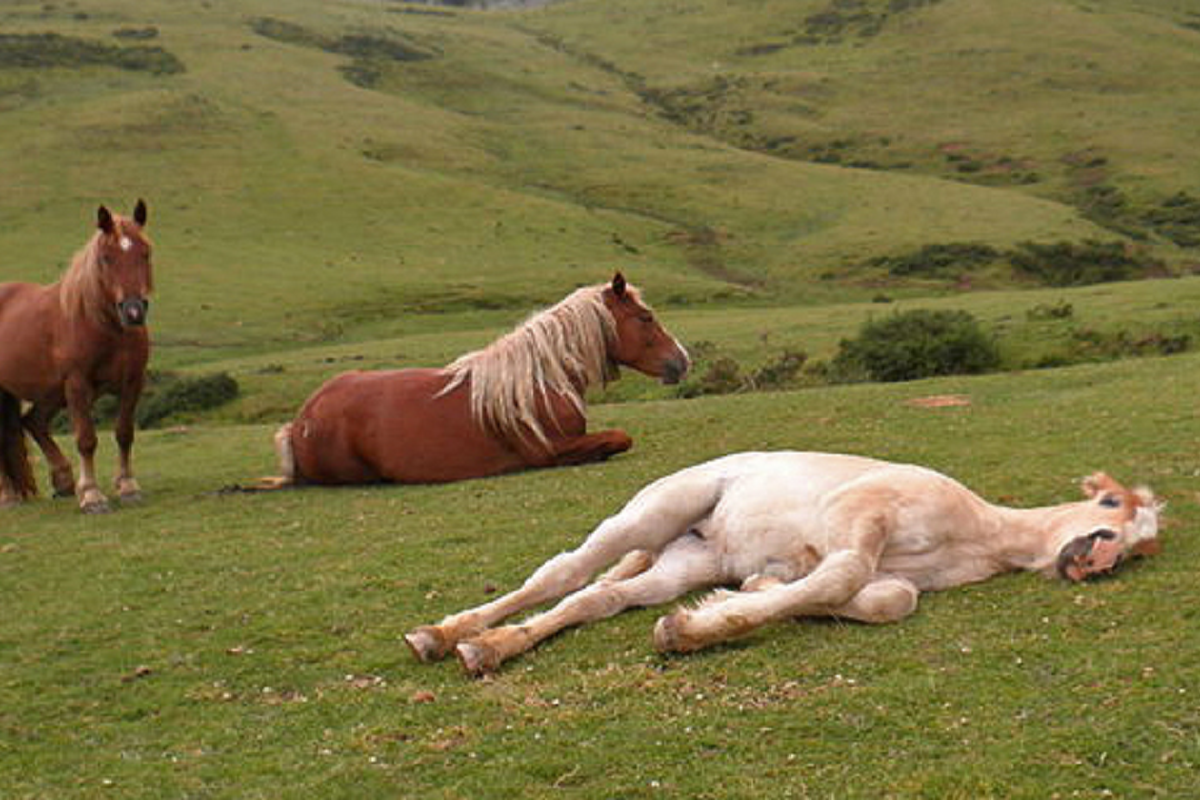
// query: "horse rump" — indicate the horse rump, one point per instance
point(15, 468)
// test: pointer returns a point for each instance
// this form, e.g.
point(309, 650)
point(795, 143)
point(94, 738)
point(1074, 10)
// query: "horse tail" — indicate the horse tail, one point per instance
point(286, 453)
point(287, 466)
point(14, 457)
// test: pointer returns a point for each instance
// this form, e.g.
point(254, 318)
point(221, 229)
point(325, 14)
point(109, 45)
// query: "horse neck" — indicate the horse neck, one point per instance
point(1028, 538)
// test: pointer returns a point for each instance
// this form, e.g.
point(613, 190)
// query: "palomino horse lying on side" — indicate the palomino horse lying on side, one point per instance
point(67, 343)
point(805, 534)
point(517, 403)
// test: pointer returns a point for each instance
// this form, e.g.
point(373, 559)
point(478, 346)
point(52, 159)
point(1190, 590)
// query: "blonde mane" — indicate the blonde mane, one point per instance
point(559, 351)
point(82, 287)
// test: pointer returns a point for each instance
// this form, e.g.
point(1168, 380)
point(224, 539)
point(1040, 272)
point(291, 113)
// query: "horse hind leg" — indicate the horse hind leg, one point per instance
point(37, 422)
point(687, 563)
point(656, 516)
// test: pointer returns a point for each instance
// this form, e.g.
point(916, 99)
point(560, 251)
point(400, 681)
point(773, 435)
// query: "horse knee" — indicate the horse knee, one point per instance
point(883, 601)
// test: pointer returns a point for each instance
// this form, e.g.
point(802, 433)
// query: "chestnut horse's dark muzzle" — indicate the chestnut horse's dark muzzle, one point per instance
point(674, 370)
point(133, 311)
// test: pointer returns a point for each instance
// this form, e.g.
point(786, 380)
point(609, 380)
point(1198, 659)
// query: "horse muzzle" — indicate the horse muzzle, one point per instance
point(133, 311)
point(675, 368)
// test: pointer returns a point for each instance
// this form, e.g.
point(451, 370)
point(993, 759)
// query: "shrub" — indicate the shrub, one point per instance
point(722, 374)
point(939, 260)
point(1080, 264)
point(45, 50)
point(916, 344)
point(183, 394)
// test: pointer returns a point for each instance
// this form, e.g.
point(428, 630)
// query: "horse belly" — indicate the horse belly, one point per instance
point(27, 369)
point(393, 426)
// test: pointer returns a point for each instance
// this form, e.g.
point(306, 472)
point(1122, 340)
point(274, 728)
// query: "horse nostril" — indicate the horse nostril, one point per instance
point(133, 311)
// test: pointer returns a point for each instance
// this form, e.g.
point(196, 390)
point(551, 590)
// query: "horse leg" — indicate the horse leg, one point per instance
point(657, 515)
point(590, 447)
point(126, 484)
point(886, 598)
point(16, 475)
point(858, 537)
point(687, 563)
point(79, 402)
point(37, 421)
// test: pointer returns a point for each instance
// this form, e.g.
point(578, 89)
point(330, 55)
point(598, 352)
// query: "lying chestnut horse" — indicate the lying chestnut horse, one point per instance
point(805, 534)
point(515, 404)
point(67, 343)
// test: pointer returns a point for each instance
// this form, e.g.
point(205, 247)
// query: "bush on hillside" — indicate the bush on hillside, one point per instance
point(46, 50)
point(916, 344)
point(186, 394)
point(1080, 264)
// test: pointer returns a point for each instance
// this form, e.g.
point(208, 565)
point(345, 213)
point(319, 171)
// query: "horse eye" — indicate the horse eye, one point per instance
point(647, 318)
point(1110, 501)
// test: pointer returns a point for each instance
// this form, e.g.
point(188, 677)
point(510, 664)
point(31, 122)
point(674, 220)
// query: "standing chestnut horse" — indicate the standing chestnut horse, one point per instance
point(515, 404)
point(67, 343)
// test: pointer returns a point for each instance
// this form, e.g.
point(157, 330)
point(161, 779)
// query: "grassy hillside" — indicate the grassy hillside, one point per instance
point(314, 169)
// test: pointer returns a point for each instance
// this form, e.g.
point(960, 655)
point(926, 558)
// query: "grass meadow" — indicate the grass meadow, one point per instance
point(365, 184)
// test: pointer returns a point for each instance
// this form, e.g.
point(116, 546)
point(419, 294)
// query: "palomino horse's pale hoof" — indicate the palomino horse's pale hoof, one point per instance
point(427, 643)
point(131, 498)
point(669, 636)
point(477, 658)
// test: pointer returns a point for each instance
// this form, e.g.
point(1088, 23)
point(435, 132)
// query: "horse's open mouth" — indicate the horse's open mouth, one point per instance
point(1097, 553)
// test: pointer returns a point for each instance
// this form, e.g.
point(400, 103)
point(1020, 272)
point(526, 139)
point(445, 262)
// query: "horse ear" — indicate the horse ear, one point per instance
point(1096, 483)
point(104, 220)
point(139, 213)
point(618, 285)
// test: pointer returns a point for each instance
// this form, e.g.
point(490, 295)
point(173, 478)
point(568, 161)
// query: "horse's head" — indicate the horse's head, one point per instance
point(123, 257)
point(641, 342)
point(1112, 524)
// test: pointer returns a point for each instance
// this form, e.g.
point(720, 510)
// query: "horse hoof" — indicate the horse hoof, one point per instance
point(477, 659)
point(95, 507)
point(131, 498)
point(427, 643)
point(669, 636)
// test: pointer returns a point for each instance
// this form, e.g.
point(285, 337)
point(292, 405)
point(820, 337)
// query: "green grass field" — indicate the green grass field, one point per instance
point(367, 183)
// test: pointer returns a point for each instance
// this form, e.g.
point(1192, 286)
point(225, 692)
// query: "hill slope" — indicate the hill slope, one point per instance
point(315, 170)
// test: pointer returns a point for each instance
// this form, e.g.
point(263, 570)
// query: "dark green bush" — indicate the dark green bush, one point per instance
point(716, 373)
point(1080, 264)
point(940, 260)
point(184, 394)
point(45, 50)
point(916, 344)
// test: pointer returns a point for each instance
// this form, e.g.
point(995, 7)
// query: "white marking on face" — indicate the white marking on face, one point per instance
point(126, 243)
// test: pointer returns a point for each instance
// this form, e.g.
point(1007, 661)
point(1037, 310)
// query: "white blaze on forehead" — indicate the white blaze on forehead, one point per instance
point(126, 243)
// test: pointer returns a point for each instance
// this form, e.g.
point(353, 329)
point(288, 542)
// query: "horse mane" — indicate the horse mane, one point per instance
point(558, 351)
point(82, 287)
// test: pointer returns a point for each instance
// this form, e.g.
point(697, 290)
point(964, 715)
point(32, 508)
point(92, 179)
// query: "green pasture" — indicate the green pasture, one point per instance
point(365, 184)
point(229, 645)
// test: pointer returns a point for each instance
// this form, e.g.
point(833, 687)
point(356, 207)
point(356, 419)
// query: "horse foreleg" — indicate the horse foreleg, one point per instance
point(657, 515)
point(832, 585)
point(79, 403)
point(590, 447)
point(127, 485)
point(37, 421)
point(687, 563)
